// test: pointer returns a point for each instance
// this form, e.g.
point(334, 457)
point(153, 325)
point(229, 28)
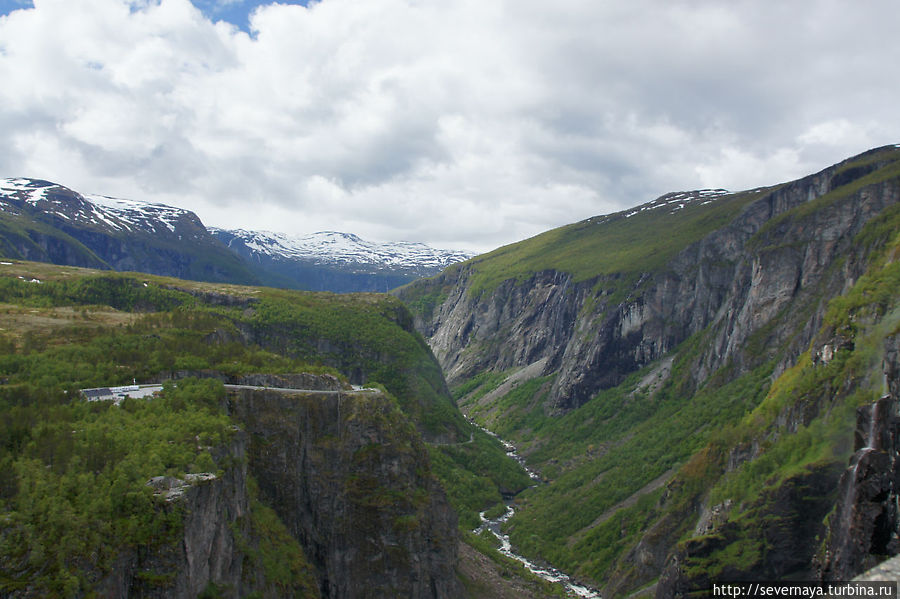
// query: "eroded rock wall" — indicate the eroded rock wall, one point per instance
point(350, 477)
point(213, 514)
point(736, 280)
point(865, 525)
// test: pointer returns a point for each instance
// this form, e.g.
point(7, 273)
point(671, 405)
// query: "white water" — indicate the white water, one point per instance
point(849, 504)
point(549, 573)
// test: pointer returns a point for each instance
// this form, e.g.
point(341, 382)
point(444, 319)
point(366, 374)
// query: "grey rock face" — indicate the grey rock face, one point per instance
point(866, 522)
point(207, 551)
point(350, 478)
point(734, 281)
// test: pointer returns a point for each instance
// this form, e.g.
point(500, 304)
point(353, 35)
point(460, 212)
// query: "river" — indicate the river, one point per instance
point(573, 589)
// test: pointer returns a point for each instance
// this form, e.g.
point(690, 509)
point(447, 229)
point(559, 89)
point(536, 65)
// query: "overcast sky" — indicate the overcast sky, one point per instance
point(462, 123)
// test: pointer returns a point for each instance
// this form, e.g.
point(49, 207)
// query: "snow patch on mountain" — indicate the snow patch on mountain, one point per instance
point(106, 212)
point(678, 200)
point(335, 248)
point(119, 216)
point(139, 214)
point(30, 191)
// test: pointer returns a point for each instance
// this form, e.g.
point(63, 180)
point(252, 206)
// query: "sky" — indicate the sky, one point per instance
point(464, 124)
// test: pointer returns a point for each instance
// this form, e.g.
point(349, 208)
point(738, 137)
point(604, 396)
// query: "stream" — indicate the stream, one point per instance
point(549, 573)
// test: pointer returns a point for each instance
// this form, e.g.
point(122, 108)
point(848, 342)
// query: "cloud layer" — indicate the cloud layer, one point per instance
point(464, 124)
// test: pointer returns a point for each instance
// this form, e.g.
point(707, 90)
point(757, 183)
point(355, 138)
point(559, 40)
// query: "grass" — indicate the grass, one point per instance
point(86, 328)
point(607, 245)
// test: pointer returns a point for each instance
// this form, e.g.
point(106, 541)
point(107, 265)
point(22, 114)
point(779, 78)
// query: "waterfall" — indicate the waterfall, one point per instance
point(871, 441)
point(865, 443)
point(865, 521)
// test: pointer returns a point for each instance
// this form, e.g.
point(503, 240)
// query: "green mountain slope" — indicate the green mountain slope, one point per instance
point(276, 493)
point(686, 376)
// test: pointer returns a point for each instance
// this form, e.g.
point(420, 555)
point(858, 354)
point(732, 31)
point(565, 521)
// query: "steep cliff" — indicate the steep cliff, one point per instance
point(736, 262)
point(219, 533)
point(684, 374)
point(350, 477)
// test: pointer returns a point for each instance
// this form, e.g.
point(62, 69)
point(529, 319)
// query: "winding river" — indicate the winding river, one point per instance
point(495, 525)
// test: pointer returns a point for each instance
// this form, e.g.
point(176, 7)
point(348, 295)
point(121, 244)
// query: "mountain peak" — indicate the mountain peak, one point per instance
point(118, 233)
point(103, 212)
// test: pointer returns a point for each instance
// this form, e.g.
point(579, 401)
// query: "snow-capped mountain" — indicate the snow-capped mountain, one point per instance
point(44, 221)
point(93, 210)
point(335, 261)
point(47, 222)
point(332, 247)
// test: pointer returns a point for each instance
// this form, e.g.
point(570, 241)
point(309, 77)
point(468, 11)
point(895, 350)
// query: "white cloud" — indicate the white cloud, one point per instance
point(465, 123)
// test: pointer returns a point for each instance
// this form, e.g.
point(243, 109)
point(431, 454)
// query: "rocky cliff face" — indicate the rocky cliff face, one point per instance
point(350, 477)
point(747, 327)
point(866, 523)
point(828, 523)
point(213, 532)
point(591, 333)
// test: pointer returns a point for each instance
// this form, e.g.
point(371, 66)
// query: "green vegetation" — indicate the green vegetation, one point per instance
point(617, 447)
point(369, 335)
point(606, 245)
point(424, 305)
point(487, 544)
point(18, 231)
point(76, 473)
point(270, 546)
point(68, 466)
point(607, 461)
point(474, 474)
point(519, 411)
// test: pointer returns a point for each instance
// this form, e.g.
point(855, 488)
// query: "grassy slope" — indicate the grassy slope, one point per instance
point(603, 458)
point(607, 245)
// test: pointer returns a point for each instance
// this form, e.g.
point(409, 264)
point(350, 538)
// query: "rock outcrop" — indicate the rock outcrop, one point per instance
point(347, 474)
point(213, 521)
point(350, 477)
point(784, 550)
point(865, 524)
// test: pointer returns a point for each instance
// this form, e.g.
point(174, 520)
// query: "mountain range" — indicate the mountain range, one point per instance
point(44, 221)
point(706, 387)
point(333, 261)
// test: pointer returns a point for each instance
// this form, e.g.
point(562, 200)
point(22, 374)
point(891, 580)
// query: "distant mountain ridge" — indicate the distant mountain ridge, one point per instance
point(333, 247)
point(47, 222)
point(334, 261)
